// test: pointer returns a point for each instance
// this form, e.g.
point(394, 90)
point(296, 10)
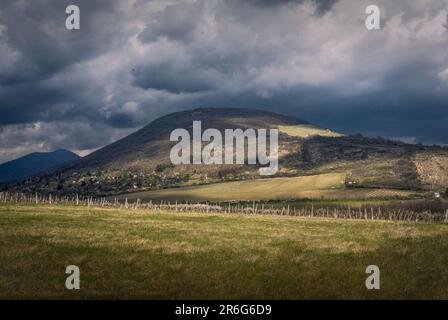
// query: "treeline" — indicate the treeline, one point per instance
point(427, 211)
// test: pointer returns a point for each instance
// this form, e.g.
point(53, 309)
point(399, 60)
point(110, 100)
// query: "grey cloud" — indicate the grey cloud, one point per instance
point(133, 61)
point(322, 6)
point(176, 22)
point(165, 76)
point(36, 29)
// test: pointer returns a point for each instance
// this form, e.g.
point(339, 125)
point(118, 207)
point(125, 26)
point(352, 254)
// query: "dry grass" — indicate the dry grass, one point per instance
point(324, 186)
point(142, 254)
point(308, 130)
point(258, 189)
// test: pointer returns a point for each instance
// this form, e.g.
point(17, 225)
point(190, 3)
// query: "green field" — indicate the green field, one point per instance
point(162, 255)
point(323, 187)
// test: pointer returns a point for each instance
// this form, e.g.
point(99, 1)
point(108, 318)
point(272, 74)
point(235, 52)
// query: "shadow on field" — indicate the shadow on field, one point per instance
point(411, 269)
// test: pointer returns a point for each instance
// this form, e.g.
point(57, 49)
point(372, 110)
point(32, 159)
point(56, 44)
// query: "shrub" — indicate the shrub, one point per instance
point(163, 166)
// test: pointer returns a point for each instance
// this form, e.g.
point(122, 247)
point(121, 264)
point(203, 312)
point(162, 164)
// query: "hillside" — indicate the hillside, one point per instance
point(34, 164)
point(140, 161)
point(150, 146)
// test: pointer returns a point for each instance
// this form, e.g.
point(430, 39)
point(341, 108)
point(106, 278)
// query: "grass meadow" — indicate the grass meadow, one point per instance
point(322, 187)
point(166, 255)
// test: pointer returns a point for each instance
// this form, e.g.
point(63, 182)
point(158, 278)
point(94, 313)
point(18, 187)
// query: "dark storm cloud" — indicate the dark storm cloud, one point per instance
point(322, 6)
point(133, 61)
point(175, 22)
point(36, 30)
point(165, 76)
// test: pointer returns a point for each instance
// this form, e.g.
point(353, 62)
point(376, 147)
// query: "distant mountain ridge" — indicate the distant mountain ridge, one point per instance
point(141, 160)
point(33, 164)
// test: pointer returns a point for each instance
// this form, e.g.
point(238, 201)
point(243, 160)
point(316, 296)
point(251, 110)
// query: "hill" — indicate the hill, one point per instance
point(34, 164)
point(140, 161)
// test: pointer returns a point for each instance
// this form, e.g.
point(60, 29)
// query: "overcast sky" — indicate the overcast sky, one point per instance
point(133, 61)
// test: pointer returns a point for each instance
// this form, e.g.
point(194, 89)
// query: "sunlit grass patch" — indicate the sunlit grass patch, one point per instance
point(308, 130)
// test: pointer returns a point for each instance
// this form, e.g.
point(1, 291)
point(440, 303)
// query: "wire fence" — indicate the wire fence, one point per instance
point(389, 212)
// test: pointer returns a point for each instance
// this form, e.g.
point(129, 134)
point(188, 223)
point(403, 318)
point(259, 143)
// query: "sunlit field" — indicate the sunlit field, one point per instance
point(322, 187)
point(167, 255)
point(308, 130)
